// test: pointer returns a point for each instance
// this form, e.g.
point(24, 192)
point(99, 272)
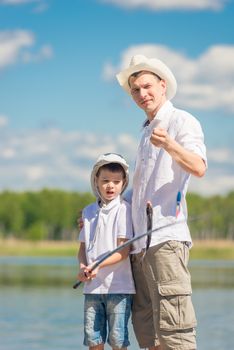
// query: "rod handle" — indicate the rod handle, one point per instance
point(77, 284)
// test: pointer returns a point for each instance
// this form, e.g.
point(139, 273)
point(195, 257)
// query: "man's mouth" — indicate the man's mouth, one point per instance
point(145, 102)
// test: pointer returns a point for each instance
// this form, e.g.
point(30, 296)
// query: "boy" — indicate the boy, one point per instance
point(106, 224)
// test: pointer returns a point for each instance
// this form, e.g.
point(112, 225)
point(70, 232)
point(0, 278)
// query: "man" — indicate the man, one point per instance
point(170, 150)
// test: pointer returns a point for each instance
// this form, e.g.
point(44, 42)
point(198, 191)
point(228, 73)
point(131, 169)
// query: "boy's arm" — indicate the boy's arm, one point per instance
point(113, 259)
point(117, 257)
point(82, 274)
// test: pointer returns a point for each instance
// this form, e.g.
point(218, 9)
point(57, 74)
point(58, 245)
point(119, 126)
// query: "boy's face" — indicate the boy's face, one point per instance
point(110, 184)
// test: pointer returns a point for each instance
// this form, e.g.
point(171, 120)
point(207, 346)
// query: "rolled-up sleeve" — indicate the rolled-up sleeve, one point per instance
point(191, 136)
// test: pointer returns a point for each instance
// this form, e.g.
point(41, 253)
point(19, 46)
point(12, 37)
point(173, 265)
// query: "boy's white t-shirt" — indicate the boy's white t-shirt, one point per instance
point(102, 227)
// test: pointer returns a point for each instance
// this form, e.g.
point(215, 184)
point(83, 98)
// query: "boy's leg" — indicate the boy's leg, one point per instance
point(142, 312)
point(118, 308)
point(95, 323)
point(97, 347)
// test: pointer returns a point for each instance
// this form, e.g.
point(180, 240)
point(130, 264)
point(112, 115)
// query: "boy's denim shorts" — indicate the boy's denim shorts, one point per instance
point(106, 318)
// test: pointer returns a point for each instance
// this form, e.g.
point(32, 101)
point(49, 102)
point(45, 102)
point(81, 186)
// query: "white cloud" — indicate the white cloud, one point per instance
point(212, 184)
point(39, 5)
point(205, 82)
point(7, 153)
point(169, 4)
point(15, 47)
point(221, 155)
point(45, 52)
point(11, 44)
point(3, 121)
point(18, 2)
point(34, 173)
point(15, 2)
point(53, 158)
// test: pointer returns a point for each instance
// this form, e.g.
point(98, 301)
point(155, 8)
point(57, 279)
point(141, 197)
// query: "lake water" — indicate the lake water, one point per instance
point(40, 310)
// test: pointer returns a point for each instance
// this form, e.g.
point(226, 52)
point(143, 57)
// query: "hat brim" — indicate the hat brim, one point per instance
point(158, 68)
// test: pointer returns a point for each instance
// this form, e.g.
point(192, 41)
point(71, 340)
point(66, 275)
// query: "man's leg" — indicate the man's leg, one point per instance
point(142, 313)
point(168, 279)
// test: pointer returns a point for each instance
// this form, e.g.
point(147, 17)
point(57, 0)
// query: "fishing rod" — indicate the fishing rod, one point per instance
point(149, 213)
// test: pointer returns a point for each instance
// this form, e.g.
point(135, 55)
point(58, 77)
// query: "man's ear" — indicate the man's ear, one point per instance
point(163, 85)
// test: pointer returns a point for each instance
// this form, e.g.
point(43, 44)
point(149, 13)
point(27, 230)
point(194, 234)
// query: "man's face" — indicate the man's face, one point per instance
point(148, 91)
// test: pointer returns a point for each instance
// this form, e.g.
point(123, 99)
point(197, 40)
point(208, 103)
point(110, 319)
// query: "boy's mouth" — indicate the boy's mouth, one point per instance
point(109, 193)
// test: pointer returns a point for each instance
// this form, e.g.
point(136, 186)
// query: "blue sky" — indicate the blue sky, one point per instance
point(61, 106)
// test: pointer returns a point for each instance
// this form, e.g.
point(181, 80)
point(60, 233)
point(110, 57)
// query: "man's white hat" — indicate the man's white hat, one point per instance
point(108, 158)
point(141, 63)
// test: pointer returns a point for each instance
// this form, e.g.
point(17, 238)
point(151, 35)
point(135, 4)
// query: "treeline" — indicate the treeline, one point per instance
point(52, 215)
point(44, 215)
point(212, 217)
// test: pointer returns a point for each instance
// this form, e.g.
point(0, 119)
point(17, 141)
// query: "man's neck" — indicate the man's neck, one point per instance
point(153, 114)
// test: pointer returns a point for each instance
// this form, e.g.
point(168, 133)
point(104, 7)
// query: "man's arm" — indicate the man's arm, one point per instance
point(189, 161)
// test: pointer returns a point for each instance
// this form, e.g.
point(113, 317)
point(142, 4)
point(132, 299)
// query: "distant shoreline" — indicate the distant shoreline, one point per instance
point(202, 249)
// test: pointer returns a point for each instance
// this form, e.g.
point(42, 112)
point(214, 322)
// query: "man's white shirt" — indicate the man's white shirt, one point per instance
point(158, 178)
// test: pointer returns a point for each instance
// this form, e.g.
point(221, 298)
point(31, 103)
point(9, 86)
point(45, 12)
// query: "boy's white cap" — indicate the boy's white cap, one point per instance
point(141, 63)
point(108, 158)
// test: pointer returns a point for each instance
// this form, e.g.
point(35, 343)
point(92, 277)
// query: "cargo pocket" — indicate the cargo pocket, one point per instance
point(176, 310)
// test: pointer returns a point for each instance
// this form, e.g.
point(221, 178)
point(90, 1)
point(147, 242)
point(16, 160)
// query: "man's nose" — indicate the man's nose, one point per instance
point(142, 93)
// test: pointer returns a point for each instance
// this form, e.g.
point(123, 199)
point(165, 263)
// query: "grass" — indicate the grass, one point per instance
point(213, 249)
point(207, 249)
point(12, 247)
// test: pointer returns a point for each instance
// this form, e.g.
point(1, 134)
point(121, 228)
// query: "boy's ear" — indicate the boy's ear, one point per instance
point(95, 182)
point(124, 183)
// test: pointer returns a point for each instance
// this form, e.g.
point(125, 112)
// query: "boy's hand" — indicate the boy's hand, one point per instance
point(83, 274)
point(92, 274)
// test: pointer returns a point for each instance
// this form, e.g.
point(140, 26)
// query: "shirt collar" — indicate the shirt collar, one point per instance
point(107, 207)
point(162, 118)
